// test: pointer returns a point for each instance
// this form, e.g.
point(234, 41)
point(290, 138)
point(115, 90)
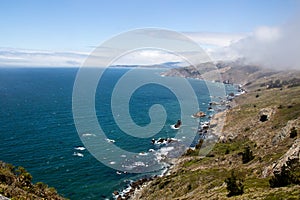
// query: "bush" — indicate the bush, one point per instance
point(24, 178)
point(227, 151)
point(293, 132)
point(234, 185)
point(289, 174)
point(247, 155)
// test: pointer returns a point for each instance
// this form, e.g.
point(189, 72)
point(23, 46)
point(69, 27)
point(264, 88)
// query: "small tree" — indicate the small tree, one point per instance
point(247, 155)
point(234, 185)
point(293, 132)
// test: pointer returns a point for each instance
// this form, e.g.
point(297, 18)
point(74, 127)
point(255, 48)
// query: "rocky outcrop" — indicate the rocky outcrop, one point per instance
point(291, 154)
point(199, 114)
point(285, 131)
point(3, 198)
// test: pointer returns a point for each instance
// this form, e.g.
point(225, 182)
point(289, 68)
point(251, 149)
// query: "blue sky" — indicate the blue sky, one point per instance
point(79, 25)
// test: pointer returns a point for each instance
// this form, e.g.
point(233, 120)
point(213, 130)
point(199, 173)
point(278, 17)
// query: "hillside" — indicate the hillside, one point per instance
point(233, 72)
point(15, 183)
point(259, 144)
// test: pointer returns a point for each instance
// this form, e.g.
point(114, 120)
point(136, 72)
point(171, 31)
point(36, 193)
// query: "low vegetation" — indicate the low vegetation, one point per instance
point(16, 183)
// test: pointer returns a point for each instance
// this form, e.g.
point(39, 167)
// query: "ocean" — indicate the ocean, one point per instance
point(37, 129)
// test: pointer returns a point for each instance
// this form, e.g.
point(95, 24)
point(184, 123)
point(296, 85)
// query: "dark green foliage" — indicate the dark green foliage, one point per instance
point(293, 132)
point(279, 84)
point(164, 184)
point(227, 151)
point(274, 84)
point(234, 185)
point(247, 155)
point(294, 82)
point(289, 174)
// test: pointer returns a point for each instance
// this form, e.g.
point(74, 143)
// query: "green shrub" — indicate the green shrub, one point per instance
point(247, 155)
point(293, 132)
point(234, 185)
point(24, 178)
point(227, 151)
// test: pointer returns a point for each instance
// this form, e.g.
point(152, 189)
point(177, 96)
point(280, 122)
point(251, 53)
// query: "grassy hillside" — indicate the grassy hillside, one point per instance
point(260, 135)
point(15, 183)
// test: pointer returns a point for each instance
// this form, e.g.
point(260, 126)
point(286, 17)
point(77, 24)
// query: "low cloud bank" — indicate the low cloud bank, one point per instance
point(10, 57)
point(272, 47)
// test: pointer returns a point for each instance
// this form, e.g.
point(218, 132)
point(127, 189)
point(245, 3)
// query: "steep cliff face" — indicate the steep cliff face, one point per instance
point(260, 136)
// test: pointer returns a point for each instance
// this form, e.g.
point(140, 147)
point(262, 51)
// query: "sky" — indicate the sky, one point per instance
point(64, 32)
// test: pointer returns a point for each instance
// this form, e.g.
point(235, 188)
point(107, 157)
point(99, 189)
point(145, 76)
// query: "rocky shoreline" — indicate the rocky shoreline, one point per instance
point(248, 111)
point(213, 126)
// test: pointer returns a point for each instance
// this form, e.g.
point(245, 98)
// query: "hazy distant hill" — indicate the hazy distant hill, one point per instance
point(232, 72)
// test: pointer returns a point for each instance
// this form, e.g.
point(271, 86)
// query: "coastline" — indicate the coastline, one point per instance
point(253, 83)
point(135, 188)
point(271, 141)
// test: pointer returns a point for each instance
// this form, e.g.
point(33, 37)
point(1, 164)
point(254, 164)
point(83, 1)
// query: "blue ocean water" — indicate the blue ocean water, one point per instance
point(37, 129)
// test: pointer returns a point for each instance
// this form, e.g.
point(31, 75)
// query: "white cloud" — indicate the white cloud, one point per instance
point(147, 57)
point(272, 47)
point(267, 34)
point(214, 44)
point(215, 39)
point(38, 58)
point(218, 45)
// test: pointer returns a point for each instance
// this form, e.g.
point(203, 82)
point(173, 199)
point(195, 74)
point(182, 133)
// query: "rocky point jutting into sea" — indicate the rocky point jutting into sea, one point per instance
point(257, 153)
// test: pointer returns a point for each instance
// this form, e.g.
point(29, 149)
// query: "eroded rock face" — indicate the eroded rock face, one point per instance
point(292, 153)
point(285, 131)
